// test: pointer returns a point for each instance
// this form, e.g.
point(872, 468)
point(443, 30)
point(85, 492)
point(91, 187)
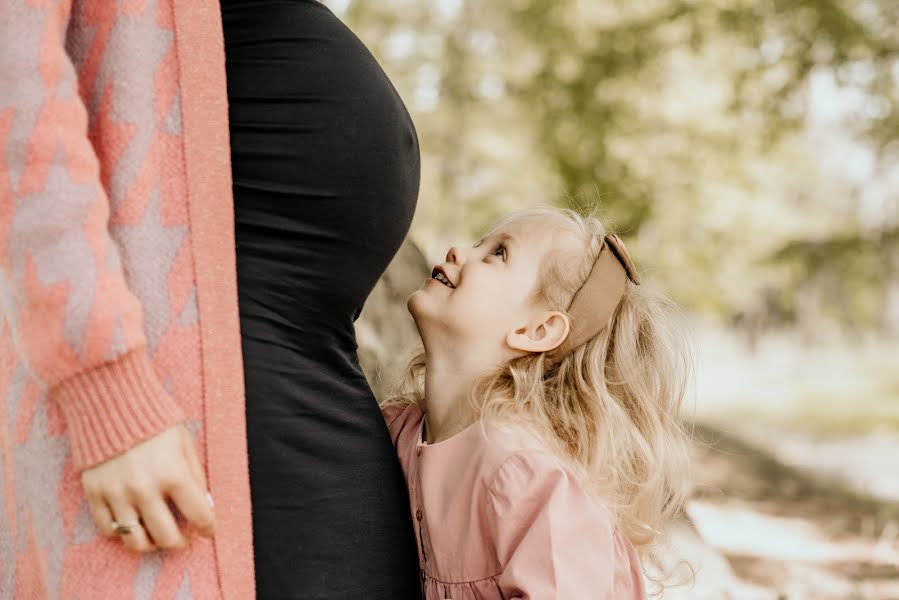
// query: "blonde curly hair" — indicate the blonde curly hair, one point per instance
point(611, 408)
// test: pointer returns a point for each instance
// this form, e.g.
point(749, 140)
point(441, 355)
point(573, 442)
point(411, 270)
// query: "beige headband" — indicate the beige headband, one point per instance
point(596, 300)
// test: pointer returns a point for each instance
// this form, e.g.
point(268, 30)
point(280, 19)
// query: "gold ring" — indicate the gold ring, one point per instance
point(124, 528)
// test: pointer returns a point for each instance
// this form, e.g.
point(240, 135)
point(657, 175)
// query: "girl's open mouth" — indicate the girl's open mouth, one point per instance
point(440, 275)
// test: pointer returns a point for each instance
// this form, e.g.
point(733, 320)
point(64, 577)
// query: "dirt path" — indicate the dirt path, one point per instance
point(796, 522)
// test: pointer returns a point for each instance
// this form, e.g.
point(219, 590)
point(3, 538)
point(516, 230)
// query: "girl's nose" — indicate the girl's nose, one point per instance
point(455, 255)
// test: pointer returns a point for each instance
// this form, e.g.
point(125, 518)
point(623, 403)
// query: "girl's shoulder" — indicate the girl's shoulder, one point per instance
point(395, 409)
point(508, 440)
point(532, 470)
point(522, 465)
point(511, 451)
point(402, 418)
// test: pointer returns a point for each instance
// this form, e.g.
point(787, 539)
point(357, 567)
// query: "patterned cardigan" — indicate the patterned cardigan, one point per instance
point(118, 300)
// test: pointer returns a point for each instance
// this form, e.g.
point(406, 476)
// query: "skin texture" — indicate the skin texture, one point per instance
point(138, 483)
point(487, 319)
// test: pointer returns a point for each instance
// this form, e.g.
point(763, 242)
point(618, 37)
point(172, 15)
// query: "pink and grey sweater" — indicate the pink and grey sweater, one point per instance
point(118, 300)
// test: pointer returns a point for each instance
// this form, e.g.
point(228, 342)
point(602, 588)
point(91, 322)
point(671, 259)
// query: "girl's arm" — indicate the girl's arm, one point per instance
point(553, 540)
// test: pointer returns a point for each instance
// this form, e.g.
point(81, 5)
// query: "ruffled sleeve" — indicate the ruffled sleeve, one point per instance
point(553, 539)
point(403, 422)
point(400, 418)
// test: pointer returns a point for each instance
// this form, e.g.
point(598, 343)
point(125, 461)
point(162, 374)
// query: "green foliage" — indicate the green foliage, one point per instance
point(578, 121)
point(858, 41)
point(853, 266)
point(693, 122)
point(780, 43)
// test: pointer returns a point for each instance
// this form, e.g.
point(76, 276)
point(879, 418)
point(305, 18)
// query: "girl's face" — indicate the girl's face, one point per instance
point(480, 296)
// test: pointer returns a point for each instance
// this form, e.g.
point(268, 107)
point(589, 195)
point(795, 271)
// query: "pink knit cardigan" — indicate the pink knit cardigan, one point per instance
point(118, 302)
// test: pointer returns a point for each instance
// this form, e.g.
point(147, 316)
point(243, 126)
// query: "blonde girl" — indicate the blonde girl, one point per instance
point(538, 430)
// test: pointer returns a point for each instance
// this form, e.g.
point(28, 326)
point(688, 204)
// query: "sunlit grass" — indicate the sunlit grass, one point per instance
point(835, 389)
point(812, 413)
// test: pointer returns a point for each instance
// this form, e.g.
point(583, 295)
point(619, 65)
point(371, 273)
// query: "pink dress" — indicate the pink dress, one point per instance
point(499, 517)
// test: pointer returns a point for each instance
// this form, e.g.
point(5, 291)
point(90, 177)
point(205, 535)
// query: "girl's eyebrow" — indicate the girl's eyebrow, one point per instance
point(505, 238)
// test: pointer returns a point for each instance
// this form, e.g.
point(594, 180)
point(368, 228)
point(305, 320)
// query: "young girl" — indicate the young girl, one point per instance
point(538, 432)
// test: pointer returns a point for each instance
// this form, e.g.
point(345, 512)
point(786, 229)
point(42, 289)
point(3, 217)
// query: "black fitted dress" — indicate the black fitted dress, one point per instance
point(325, 162)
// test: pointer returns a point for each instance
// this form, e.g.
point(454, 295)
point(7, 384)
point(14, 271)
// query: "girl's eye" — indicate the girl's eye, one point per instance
point(500, 251)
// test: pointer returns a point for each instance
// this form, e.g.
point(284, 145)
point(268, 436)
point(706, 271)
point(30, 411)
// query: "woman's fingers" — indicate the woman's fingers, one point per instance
point(191, 500)
point(101, 514)
point(140, 481)
point(193, 461)
point(124, 513)
point(160, 524)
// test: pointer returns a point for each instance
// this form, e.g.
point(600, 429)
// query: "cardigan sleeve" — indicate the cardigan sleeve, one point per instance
point(553, 540)
point(63, 292)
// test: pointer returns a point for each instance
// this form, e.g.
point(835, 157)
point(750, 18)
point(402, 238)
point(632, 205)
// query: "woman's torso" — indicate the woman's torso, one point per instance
point(325, 160)
point(325, 166)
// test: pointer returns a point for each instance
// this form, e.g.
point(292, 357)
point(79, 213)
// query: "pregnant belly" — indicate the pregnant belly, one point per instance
point(325, 162)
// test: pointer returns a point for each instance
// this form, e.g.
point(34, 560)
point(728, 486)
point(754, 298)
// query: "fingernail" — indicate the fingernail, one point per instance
point(209, 498)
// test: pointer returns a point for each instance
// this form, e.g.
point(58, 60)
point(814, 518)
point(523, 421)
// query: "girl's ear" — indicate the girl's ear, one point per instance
point(541, 335)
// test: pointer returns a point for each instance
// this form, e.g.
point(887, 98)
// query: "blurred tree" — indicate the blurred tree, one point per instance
point(697, 125)
point(775, 47)
point(856, 41)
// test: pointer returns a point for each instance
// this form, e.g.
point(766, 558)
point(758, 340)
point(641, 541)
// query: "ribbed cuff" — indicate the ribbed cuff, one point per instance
point(111, 408)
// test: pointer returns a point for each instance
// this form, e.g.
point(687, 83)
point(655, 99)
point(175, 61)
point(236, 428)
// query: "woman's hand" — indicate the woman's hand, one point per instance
point(134, 486)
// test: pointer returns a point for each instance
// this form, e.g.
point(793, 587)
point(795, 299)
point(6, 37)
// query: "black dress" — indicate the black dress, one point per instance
point(325, 162)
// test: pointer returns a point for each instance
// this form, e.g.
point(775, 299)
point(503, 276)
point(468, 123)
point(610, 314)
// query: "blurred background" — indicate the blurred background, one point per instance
point(748, 153)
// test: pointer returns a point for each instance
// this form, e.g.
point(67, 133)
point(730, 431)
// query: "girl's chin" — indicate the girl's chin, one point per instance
point(417, 302)
point(429, 288)
point(425, 309)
